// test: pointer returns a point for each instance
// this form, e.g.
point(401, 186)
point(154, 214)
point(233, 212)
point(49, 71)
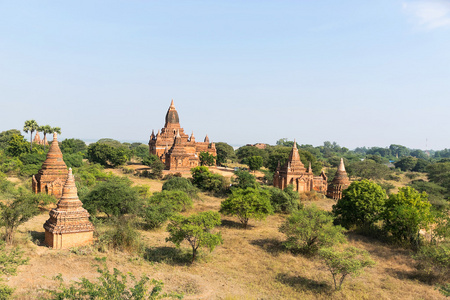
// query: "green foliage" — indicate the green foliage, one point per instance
point(207, 181)
point(89, 174)
point(196, 230)
point(17, 145)
point(110, 142)
point(284, 201)
point(309, 229)
point(244, 180)
point(368, 169)
point(255, 162)
point(163, 205)
point(224, 152)
point(406, 163)
point(16, 212)
point(181, 184)
point(107, 155)
point(5, 137)
point(141, 150)
point(74, 160)
point(72, 146)
point(439, 173)
point(247, 204)
point(351, 261)
point(149, 159)
point(207, 159)
point(7, 188)
point(114, 197)
point(406, 213)
point(362, 204)
point(9, 164)
point(111, 286)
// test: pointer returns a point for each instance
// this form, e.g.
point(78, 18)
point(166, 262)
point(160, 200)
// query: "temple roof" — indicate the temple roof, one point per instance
point(54, 158)
point(341, 176)
point(172, 115)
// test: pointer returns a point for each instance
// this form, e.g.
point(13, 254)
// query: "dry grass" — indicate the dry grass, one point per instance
point(251, 264)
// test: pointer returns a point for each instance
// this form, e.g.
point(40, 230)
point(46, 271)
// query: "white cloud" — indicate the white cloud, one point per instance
point(429, 14)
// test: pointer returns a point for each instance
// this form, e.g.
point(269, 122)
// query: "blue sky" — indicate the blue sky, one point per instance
point(361, 73)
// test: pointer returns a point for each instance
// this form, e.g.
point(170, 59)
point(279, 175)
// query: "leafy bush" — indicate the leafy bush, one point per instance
point(284, 201)
point(244, 180)
point(111, 286)
point(196, 230)
point(247, 204)
point(207, 181)
point(406, 213)
point(309, 229)
point(207, 159)
point(434, 260)
point(362, 204)
point(114, 197)
point(181, 184)
point(72, 146)
point(107, 155)
point(351, 261)
point(161, 206)
point(90, 174)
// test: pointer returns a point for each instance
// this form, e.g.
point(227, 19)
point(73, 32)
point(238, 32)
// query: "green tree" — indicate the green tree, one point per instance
point(284, 201)
point(309, 229)
point(107, 155)
point(181, 184)
point(207, 181)
point(406, 163)
point(244, 180)
point(406, 213)
point(196, 230)
point(255, 162)
point(206, 159)
point(163, 205)
point(71, 146)
point(368, 169)
point(30, 126)
point(16, 212)
point(5, 137)
point(17, 146)
point(111, 286)
point(247, 204)
point(224, 152)
point(362, 204)
point(351, 261)
point(114, 197)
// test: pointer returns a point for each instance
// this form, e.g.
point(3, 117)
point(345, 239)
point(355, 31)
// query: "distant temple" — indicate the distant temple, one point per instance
point(68, 225)
point(53, 173)
point(37, 139)
point(340, 182)
point(175, 148)
point(294, 172)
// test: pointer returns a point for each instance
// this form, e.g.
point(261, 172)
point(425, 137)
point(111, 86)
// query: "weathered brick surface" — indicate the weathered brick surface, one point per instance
point(339, 183)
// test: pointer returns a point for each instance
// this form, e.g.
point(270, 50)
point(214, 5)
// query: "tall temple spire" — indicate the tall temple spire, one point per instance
point(206, 140)
point(192, 138)
point(341, 166)
point(295, 144)
point(309, 168)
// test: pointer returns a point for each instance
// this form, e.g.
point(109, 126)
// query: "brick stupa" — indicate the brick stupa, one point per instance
point(340, 182)
point(50, 178)
point(68, 225)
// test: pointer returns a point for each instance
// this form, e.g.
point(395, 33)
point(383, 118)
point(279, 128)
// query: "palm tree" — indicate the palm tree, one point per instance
point(56, 129)
point(45, 130)
point(30, 126)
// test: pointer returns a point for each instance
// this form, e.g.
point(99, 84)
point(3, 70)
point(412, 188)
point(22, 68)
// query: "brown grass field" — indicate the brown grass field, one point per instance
point(251, 264)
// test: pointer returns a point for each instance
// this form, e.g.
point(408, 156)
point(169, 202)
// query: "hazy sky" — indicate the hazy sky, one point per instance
point(361, 73)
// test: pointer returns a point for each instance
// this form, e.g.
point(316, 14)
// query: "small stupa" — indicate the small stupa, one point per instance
point(50, 178)
point(339, 183)
point(68, 225)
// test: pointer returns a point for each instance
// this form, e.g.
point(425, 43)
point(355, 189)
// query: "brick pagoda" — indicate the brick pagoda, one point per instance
point(53, 173)
point(294, 172)
point(174, 147)
point(340, 182)
point(68, 225)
